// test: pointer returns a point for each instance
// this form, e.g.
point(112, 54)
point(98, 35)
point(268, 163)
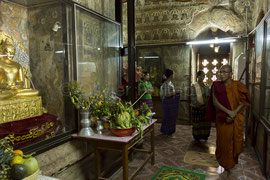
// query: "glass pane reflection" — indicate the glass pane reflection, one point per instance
point(98, 53)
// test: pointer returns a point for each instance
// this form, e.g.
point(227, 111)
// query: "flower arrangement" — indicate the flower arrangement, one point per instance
point(102, 104)
point(77, 96)
point(120, 114)
point(99, 104)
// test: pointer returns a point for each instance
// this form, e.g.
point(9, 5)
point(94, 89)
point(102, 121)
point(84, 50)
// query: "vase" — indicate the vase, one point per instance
point(99, 127)
point(86, 130)
point(105, 122)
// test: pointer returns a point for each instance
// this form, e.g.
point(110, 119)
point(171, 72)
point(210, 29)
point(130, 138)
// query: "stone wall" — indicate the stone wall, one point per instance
point(74, 160)
point(54, 161)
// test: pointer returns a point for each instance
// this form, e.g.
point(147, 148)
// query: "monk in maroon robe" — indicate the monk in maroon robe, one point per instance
point(227, 102)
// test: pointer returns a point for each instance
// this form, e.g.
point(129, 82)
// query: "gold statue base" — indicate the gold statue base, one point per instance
point(20, 108)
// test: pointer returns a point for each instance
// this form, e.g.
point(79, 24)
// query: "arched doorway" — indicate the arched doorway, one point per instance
point(210, 57)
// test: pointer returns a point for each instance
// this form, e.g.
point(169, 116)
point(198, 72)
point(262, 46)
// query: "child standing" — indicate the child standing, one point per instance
point(146, 86)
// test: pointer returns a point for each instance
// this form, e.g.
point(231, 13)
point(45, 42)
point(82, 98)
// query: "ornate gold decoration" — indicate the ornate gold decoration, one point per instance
point(32, 133)
point(17, 100)
point(20, 108)
point(14, 81)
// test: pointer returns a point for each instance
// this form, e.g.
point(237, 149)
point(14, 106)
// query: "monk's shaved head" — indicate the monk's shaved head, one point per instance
point(226, 73)
point(227, 67)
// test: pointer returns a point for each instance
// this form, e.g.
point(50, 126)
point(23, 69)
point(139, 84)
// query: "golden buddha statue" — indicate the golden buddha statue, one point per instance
point(12, 74)
point(17, 99)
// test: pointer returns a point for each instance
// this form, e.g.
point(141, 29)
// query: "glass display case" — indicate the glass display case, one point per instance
point(266, 110)
point(64, 41)
point(98, 55)
point(259, 38)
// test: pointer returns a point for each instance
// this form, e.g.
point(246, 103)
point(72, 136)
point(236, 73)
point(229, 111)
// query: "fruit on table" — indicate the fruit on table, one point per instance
point(137, 113)
point(17, 160)
point(123, 120)
point(31, 165)
point(18, 172)
point(17, 153)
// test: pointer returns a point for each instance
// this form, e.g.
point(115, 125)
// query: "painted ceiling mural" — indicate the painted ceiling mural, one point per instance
point(169, 21)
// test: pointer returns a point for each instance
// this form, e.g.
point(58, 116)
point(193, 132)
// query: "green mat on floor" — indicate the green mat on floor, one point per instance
point(173, 173)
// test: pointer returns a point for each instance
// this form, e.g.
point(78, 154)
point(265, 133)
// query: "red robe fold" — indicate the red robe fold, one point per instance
point(221, 95)
point(229, 143)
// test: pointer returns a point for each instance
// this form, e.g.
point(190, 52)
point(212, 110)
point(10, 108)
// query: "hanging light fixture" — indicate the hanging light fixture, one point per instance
point(212, 41)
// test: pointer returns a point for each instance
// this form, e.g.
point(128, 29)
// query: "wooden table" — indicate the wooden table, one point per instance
point(108, 141)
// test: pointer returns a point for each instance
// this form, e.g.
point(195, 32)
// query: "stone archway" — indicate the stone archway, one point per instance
point(218, 18)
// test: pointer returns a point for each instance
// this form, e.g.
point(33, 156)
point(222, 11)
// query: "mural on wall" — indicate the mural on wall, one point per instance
point(13, 21)
point(158, 22)
point(170, 21)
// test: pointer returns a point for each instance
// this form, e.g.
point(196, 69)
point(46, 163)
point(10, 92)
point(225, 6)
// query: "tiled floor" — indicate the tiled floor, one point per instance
point(171, 151)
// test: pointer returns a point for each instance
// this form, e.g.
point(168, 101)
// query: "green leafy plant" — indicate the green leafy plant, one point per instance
point(6, 155)
point(144, 109)
point(77, 95)
point(101, 105)
point(123, 116)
